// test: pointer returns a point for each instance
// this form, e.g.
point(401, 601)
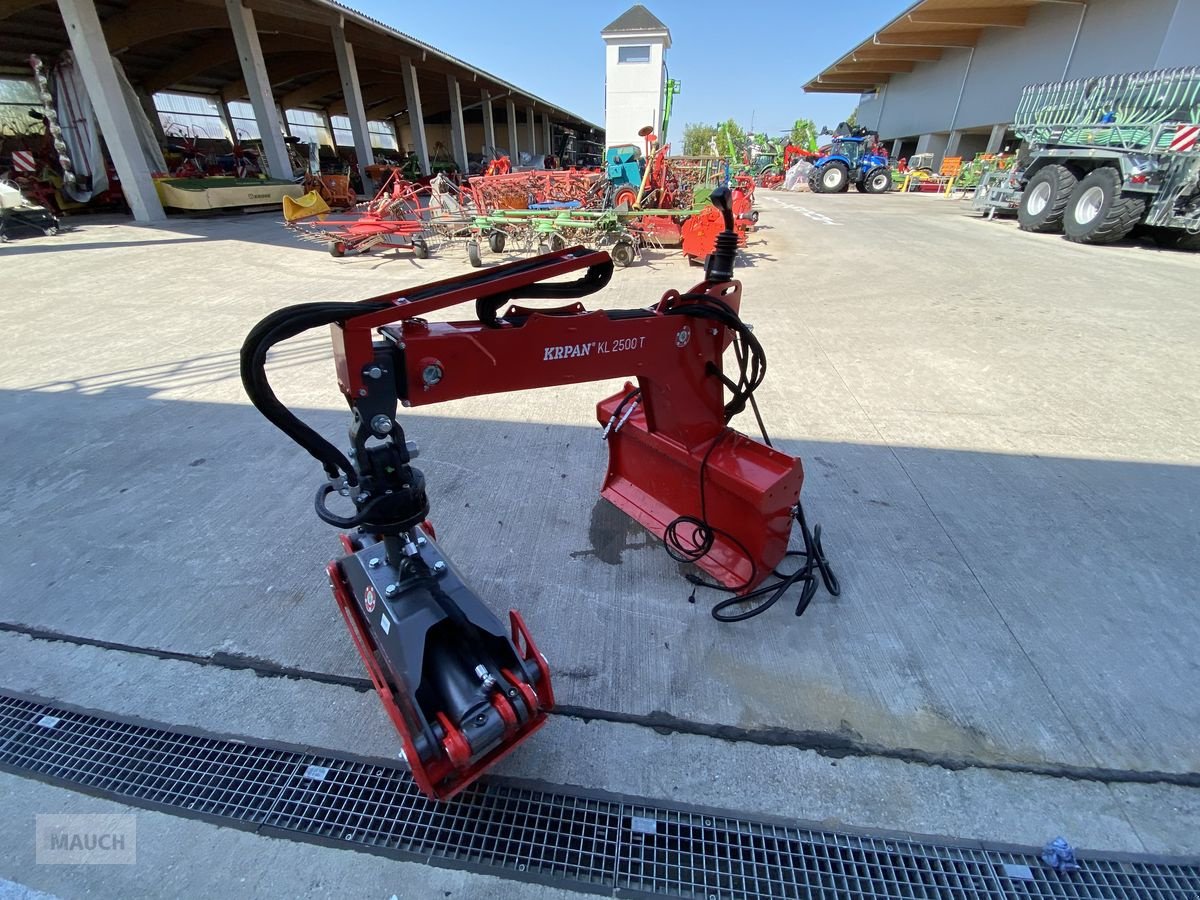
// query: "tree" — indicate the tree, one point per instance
point(698, 139)
point(804, 134)
point(852, 121)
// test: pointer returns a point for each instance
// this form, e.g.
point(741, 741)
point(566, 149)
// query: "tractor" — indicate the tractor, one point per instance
point(851, 159)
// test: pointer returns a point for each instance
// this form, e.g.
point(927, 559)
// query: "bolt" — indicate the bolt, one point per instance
point(480, 719)
point(421, 542)
point(362, 498)
point(431, 374)
point(381, 424)
point(439, 567)
point(682, 336)
point(374, 372)
point(373, 562)
point(345, 492)
point(390, 590)
point(362, 392)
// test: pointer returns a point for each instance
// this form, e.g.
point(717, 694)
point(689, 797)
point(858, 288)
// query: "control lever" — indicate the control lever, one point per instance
point(718, 266)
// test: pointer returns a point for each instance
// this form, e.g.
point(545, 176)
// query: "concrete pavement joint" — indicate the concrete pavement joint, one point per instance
point(828, 744)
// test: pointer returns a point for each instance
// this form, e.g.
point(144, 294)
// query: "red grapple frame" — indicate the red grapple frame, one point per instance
point(671, 453)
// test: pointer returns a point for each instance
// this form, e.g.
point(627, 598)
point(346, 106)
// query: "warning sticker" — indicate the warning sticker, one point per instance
point(369, 600)
point(385, 623)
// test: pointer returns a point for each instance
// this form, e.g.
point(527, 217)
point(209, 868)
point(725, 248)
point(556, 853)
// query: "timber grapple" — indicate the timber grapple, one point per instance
point(462, 687)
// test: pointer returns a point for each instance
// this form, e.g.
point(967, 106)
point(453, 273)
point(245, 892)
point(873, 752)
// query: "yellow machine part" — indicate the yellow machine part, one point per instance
point(311, 204)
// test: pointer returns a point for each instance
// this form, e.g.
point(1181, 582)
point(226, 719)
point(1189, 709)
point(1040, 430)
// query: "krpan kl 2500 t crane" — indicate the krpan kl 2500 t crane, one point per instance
point(462, 688)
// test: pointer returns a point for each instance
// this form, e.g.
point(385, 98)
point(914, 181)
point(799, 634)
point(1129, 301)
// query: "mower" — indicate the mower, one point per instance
point(463, 687)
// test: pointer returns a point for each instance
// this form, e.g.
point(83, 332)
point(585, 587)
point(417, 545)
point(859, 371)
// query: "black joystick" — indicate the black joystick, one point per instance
point(718, 266)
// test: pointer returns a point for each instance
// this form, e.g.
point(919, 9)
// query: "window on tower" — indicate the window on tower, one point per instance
point(639, 53)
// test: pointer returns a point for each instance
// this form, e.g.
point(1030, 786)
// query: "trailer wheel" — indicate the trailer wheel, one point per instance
point(1045, 200)
point(1175, 238)
point(473, 256)
point(1188, 241)
point(420, 248)
point(832, 179)
point(878, 181)
point(337, 249)
point(50, 230)
point(622, 254)
point(1098, 213)
point(496, 241)
point(543, 249)
point(557, 242)
point(754, 216)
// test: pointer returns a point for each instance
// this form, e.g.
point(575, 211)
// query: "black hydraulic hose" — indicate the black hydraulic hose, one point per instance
point(279, 326)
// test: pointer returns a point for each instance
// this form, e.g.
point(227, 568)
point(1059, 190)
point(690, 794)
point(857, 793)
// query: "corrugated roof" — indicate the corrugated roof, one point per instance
point(920, 34)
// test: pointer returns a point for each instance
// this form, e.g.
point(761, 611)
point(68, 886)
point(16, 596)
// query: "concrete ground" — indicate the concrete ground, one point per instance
point(1000, 433)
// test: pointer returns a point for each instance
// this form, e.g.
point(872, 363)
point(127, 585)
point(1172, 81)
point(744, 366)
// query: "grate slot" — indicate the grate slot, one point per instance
point(633, 845)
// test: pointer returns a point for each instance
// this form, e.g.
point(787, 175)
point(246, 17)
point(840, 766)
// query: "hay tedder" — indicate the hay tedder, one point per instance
point(393, 218)
point(463, 687)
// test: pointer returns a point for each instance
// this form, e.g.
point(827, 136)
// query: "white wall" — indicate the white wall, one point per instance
point(1117, 36)
point(1179, 48)
point(633, 92)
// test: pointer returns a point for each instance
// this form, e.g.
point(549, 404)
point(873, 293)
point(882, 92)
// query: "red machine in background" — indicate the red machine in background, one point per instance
point(462, 688)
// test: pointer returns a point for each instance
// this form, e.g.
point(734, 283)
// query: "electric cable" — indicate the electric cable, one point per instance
point(691, 546)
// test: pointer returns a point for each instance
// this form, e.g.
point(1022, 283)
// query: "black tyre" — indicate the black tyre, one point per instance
point(1045, 200)
point(754, 216)
point(337, 249)
point(473, 255)
point(420, 248)
point(1098, 213)
point(833, 178)
point(1187, 241)
point(557, 242)
point(622, 254)
point(496, 241)
point(50, 230)
point(1174, 238)
point(860, 186)
point(543, 249)
point(878, 181)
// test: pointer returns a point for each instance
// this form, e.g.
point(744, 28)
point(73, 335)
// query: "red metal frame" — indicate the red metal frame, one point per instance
point(657, 458)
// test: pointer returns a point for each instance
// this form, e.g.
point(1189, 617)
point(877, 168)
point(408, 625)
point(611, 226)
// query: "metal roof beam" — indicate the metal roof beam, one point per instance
point(870, 78)
point(890, 66)
point(964, 37)
point(916, 54)
point(991, 17)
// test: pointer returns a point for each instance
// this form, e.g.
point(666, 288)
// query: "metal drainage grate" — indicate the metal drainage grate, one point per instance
point(592, 842)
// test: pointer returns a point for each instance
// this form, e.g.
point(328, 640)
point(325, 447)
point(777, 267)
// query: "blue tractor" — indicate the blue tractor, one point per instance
point(851, 159)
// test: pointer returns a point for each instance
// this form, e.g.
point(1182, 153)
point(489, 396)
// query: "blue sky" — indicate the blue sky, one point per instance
point(742, 61)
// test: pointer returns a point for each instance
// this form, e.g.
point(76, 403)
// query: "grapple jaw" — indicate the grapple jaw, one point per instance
point(462, 689)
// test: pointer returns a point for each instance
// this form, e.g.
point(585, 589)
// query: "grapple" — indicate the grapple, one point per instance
point(463, 688)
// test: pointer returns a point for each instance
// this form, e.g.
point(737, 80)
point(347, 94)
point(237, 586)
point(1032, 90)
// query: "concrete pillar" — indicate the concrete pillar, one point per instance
point(355, 111)
point(935, 144)
point(283, 122)
point(547, 139)
point(513, 142)
point(489, 125)
point(458, 131)
point(952, 143)
point(532, 131)
point(896, 145)
point(996, 141)
point(416, 118)
point(96, 65)
point(151, 112)
point(258, 86)
point(329, 127)
point(226, 118)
